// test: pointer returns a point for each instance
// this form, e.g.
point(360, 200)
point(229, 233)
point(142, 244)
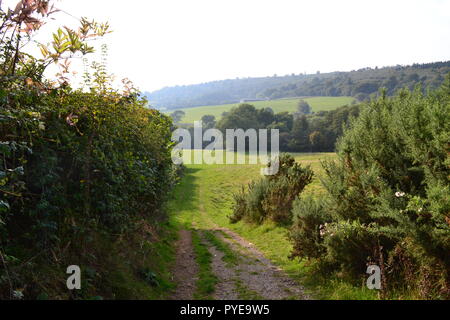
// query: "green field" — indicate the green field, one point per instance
point(205, 198)
point(290, 105)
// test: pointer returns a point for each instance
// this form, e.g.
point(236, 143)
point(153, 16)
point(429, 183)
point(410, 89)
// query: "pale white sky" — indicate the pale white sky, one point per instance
point(159, 43)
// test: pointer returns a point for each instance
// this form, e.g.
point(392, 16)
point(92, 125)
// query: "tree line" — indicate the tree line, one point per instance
point(361, 84)
point(302, 131)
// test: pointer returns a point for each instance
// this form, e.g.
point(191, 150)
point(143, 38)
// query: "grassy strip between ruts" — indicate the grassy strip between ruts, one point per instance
point(206, 279)
point(230, 256)
point(232, 259)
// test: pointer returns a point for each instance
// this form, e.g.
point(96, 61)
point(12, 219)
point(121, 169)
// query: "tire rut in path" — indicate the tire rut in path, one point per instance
point(185, 270)
point(256, 273)
point(253, 276)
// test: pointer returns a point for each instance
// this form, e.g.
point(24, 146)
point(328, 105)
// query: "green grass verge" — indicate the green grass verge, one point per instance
point(145, 274)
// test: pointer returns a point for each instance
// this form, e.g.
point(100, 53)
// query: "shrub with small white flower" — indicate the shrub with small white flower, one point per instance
point(388, 197)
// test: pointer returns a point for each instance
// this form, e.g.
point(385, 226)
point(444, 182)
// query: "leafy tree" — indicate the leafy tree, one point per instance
point(209, 121)
point(243, 117)
point(300, 135)
point(178, 115)
point(265, 117)
point(303, 107)
point(283, 121)
point(317, 140)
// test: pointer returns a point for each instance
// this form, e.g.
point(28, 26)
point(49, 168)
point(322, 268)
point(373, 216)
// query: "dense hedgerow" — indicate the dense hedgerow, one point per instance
point(272, 197)
point(388, 197)
point(80, 170)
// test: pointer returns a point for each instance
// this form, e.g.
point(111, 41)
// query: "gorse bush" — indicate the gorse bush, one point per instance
point(387, 197)
point(308, 227)
point(272, 197)
point(77, 167)
point(248, 204)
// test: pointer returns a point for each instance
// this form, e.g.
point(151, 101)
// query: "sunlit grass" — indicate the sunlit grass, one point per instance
point(204, 199)
point(283, 105)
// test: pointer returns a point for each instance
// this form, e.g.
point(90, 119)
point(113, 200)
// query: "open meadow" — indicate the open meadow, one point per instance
point(282, 105)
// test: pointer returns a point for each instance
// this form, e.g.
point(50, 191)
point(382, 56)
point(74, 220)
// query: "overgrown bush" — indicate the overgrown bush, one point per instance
point(80, 170)
point(309, 224)
point(272, 197)
point(388, 196)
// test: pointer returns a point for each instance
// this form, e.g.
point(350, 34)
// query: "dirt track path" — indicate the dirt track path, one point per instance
point(250, 277)
point(185, 269)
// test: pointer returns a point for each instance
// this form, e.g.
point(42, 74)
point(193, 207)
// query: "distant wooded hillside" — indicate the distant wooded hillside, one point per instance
point(359, 84)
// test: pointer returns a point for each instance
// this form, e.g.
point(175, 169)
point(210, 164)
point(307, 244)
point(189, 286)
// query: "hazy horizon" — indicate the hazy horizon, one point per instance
point(173, 42)
point(297, 74)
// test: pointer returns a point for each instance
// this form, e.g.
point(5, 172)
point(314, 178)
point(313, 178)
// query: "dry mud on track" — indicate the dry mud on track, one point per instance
point(250, 277)
point(185, 269)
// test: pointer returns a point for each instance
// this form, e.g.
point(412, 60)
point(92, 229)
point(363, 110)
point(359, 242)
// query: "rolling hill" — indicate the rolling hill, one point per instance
point(360, 84)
